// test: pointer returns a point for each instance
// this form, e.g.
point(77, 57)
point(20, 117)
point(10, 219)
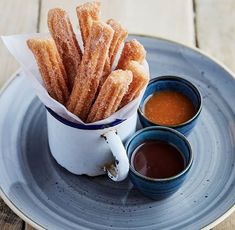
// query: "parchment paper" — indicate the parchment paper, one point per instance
point(16, 44)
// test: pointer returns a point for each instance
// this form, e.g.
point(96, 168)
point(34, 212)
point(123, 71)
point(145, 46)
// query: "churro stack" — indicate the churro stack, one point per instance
point(85, 82)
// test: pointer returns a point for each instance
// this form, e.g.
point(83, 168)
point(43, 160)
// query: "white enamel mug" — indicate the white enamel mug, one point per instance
point(91, 150)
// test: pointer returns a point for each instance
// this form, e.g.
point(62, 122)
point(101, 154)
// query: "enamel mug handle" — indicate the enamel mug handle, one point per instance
point(118, 170)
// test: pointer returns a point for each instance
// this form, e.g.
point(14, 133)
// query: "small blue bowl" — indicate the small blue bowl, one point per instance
point(158, 189)
point(176, 84)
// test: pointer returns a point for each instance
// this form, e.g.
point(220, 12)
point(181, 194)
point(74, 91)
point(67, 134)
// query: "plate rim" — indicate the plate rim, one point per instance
point(34, 224)
point(3, 196)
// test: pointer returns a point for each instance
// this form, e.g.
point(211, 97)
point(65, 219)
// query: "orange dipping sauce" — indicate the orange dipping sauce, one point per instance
point(169, 108)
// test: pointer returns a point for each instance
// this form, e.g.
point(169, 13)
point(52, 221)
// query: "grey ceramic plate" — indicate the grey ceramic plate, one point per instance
point(47, 196)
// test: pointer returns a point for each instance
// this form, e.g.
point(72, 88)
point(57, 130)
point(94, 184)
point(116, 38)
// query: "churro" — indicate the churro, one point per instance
point(85, 83)
point(50, 67)
point(132, 51)
point(62, 32)
point(110, 95)
point(120, 34)
point(90, 70)
point(140, 79)
point(87, 13)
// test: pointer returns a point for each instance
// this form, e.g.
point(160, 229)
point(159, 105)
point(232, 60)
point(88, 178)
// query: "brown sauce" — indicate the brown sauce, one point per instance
point(157, 159)
point(169, 108)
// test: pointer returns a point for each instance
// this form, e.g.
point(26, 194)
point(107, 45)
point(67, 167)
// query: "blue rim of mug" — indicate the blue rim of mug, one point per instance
point(181, 136)
point(81, 126)
point(179, 79)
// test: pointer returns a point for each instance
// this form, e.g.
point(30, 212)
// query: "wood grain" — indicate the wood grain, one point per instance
point(28, 227)
point(216, 29)
point(165, 18)
point(16, 17)
point(228, 224)
point(9, 220)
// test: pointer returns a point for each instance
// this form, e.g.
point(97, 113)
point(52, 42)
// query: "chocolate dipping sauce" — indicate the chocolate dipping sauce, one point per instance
point(157, 159)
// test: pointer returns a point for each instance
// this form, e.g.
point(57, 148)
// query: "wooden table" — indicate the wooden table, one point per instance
point(207, 24)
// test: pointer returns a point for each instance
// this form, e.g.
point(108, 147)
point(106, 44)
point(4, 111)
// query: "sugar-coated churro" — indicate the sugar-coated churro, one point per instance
point(87, 13)
point(120, 34)
point(132, 51)
point(62, 32)
point(84, 82)
point(90, 70)
point(140, 79)
point(51, 68)
point(110, 95)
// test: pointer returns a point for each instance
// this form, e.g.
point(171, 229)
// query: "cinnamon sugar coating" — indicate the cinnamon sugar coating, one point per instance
point(51, 68)
point(132, 51)
point(110, 95)
point(120, 33)
point(140, 80)
point(90, 71)
point(87, 13)
point(65, 39)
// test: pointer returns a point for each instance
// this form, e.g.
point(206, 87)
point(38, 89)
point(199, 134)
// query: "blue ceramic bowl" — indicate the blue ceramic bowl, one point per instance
point(158, 189)
point(176, 84)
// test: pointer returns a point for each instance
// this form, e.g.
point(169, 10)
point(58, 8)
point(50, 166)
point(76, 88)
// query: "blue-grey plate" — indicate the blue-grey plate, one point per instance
point(49, 197)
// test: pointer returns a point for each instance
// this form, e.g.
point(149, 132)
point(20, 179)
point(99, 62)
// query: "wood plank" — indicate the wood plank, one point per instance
point(165, 18)
point(216, 29)
point(28, 227)
point(228, 224)
point(9, 220)
point(15, 19)
point(216, 35)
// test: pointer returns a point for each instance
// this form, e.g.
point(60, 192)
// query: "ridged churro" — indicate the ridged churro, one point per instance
point(84, 82)
point(140, 79)
point(132, 51)
point(90, 70)
point(51, 68)
point(120, 33)
point(87, 13)
point(110, 95)
point(62, 32)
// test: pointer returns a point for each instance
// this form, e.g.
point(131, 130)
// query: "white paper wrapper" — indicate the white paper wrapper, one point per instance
point(16, 44)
